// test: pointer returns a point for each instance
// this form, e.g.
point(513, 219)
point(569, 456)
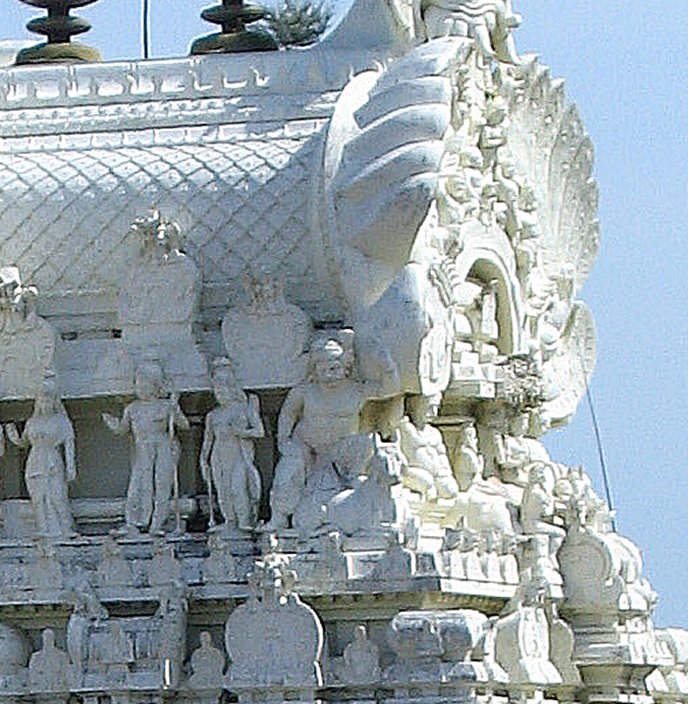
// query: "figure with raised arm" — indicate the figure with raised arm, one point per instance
point(51, 463)
point(151, 420)
point(319, 423)
point(227, 454)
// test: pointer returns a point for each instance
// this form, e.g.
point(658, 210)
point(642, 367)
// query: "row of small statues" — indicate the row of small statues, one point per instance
point(326, 459)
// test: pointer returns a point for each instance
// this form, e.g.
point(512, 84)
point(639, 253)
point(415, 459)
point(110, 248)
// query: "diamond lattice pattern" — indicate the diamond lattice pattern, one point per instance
point(65, 215)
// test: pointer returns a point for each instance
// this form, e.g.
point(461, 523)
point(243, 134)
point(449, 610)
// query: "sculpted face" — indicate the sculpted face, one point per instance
point(329, 366)
point(148, 382)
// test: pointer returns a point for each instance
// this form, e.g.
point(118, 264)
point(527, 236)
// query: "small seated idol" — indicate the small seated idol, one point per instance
point(227, 454)
point(51, 463)
point(151, 419)
point(428, 470)
point(319, 423)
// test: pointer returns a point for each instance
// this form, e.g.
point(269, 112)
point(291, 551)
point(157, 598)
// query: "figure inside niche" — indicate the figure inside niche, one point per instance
point(467, 461)
point(49, 667)
point(492, 136)
point(360, 663)
point(227, 454)
point(88, 614)
point(516, 451)
point(489, 22)
point(207, 664)
point(51, 463)
point(151, 420)
point(171, 617)
point(427, 469)
point(319, 423)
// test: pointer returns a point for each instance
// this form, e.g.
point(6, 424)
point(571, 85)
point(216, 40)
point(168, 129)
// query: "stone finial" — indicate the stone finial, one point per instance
point(233, 16)
point(58, 27)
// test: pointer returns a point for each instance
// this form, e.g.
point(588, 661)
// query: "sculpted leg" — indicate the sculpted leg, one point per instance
point(288, 484)
point(138, 507)
point(165, 467)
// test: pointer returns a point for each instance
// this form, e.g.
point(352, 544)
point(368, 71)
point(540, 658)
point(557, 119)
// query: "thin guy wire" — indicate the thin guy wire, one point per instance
point(145, 28)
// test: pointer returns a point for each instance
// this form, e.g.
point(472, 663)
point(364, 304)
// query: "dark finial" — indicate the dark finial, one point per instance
point(233, 16)
point(59, 27)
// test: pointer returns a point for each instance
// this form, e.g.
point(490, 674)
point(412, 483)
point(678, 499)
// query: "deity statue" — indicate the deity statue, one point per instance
point(171, 616)
point(227, 454)
point(489, 22)
point(51, 463)
point(319, 424)
point(151, 419)
point(49, 667)
point(360, 663)
point(87, 615)
point(467, 461)
point(427, 469)
point(207, 664)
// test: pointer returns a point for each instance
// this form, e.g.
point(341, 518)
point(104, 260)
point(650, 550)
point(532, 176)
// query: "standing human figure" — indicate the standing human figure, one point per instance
point(227, 454)
point(151, 419)
point(51, 463)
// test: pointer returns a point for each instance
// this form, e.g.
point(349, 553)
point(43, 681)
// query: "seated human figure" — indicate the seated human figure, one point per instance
point(428, 470)
point(319, 423)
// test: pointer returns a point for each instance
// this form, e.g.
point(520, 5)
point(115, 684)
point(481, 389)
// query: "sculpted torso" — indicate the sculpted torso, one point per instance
point(327, 414)
point(150, 420)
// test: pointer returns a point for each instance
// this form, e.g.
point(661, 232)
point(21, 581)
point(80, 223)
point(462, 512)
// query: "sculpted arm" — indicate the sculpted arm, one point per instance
point(117, 426)
point(254, 427)
point(206, 448)
point(69, 451)
point(178, 417)
point(290, 414)
point(15, 437)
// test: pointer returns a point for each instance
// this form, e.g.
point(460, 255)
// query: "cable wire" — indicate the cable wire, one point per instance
point(600, 450)
point(145, 29)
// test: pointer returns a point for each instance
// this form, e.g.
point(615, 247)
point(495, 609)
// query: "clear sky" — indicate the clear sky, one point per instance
point(626, 66)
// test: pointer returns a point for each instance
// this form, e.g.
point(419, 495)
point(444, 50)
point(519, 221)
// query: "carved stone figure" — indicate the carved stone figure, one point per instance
point(467, 462)
point(27, 341)
point(368, 505)
point(249, 332)
point(427, 469)
point(220, 565)
point(87, 615)
point(516, 451)
point(489, 22)
point(165, 569)
point(171, 615)
point(207, 665)
point(51, 463)
point(159, 322)
point(151, 419)
point(319, 423)
point(360, 663)
point(227, 454)
point(538, 511)
point(49, 667)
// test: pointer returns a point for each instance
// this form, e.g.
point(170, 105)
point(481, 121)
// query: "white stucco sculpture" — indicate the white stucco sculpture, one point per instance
point(427, 469)
point(490, 22)
point(227, 454)
point(319, 423)
point(159, 323)
point(51, 463)
point(152, 420)
point(27, 340)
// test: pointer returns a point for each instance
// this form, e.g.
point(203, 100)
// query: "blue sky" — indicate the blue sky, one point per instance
point(626, 67)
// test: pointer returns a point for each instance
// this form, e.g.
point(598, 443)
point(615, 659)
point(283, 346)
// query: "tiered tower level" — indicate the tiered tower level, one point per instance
point(280, 332)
